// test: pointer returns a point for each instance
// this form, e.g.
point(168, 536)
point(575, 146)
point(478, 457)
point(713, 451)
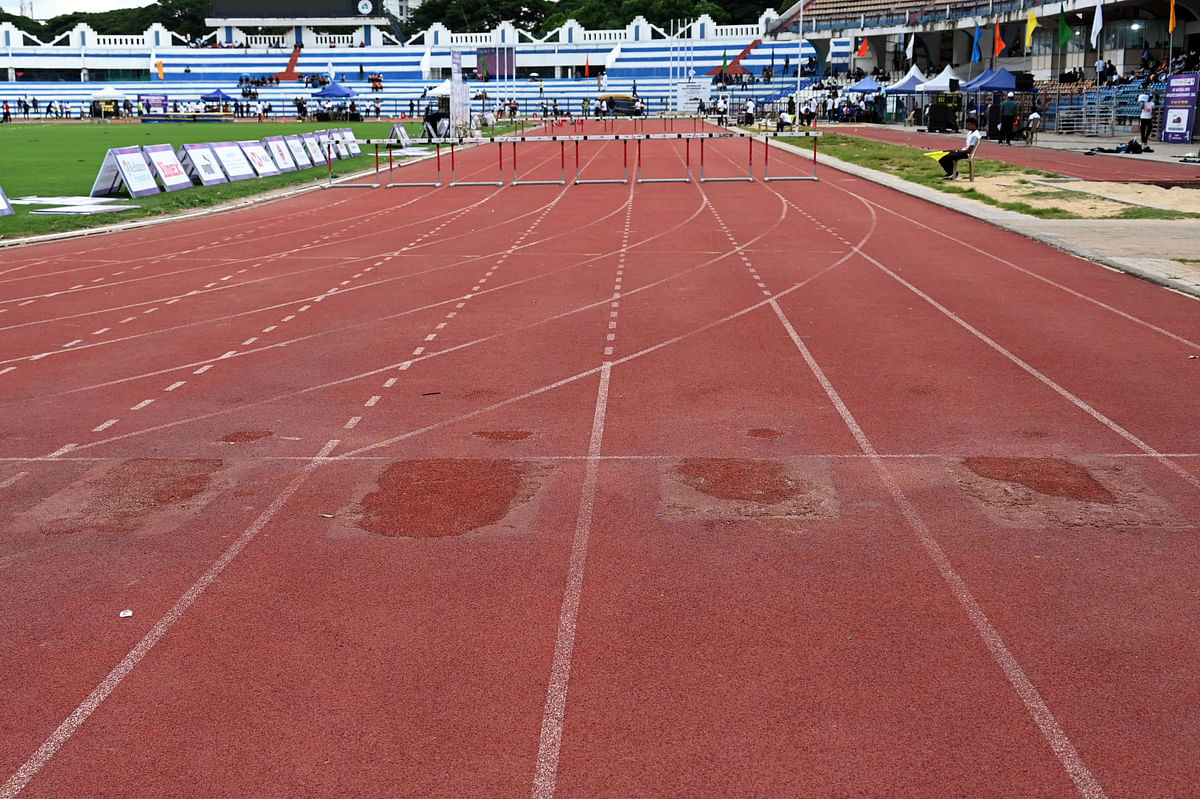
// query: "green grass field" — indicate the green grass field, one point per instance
point(62, 158)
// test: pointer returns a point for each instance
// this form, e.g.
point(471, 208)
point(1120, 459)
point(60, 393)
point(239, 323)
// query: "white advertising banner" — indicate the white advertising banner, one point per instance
point(279, 151)
point(313, 148)
point(296, 146)
point(690, 93)
point(125, 166)
point(351, 144)
point(233, 161)
point(166, 164)
point(5, 206)
point(200, 163)
point(331, 143)
point(258, 157)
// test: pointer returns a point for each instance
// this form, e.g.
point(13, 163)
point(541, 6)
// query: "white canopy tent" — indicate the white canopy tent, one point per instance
point(907, 84)
point(109, 93)
point(941, 83)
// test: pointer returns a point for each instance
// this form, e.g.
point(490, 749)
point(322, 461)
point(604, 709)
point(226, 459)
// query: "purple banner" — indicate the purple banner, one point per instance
point(1179, 108)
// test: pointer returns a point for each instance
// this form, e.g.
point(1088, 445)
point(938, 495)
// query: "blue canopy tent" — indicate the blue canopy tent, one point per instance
point(970, 85)
point(867, 85)
point(999, 81)
point(216, 97)
point(908, 84)
point(336, 90)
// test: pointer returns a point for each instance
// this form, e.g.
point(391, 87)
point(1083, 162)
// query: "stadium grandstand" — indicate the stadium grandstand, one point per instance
point(815, 48)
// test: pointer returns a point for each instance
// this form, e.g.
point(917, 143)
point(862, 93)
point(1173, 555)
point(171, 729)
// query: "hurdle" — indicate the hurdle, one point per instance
point(500, 182)
point(814, 135)
point(749, 176)
point(332, 185)
point(427, 184)
point(687, 161)
point(563, 162)
point(624, 158)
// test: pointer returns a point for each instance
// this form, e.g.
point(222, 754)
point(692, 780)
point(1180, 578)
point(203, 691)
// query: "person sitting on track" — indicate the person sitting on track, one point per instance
point(950, 160)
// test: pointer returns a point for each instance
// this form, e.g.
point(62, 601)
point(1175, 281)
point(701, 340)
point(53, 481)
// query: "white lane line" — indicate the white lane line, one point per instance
point(550, 740)
point(175, 385)
point(228, 354)
point(141, 405)
point(101, 331)
point(391, 381)
point(100, 428)
point(1042, 716)
point(203, 369)
point(63, 450)
point(73, 343)
point(7, 369)
point(171, 301)
point(27, 302)
point(371, 402)
point(354, 420)
point(38, 760)
point(249, 341)
point(10, 481)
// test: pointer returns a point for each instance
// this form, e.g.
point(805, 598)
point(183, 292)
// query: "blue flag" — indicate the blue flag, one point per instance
point(976, 55)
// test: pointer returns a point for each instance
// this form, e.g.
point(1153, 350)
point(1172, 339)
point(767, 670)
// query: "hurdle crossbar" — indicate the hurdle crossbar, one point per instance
point(814, 135)
point(687, 159)
point(625, 159)
point(499, 182)
point(563, 162)
point(435, 184)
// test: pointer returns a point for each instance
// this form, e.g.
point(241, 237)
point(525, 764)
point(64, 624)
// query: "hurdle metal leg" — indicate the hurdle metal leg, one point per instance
point(766, 155)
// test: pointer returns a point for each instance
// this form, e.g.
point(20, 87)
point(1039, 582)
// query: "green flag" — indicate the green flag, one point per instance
point(724, 62)
point(1064, 30)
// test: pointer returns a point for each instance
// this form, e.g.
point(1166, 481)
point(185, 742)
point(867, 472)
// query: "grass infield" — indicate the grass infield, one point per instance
point(53, 159)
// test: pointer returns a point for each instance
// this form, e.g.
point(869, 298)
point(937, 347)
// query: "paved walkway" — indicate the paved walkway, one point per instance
point(1150, 249)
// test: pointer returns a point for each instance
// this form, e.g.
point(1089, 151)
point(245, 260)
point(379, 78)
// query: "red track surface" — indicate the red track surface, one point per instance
point(1064, 162)
point(723, 489)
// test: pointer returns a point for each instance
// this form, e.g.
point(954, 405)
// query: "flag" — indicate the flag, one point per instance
point(483, 62)
point(937, 154)
point(158, 65)
point(976, 55)
point(998, 43)
point(1171, 24)
point(863, 49)
point(724, 61)
point(912, 40)
point(1097, 24)
point(1032, 23)
point(587, 66)
point(1064, 30)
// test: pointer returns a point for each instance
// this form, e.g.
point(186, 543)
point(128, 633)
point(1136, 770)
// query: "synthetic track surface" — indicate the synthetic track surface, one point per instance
point(722, 489)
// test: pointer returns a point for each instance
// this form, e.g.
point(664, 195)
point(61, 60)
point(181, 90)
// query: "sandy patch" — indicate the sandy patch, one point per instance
point(1087, 199)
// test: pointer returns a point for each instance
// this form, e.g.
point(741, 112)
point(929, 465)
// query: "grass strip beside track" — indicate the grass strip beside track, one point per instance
point(912, 165)
point(62, 159)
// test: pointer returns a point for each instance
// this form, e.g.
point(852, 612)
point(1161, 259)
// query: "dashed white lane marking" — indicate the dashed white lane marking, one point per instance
point(141, 405)
point(418, 351)
point(1053, 733)
point(127, 320)
point(431, 337)
point(268, 328)
point(175, 385)
point(249, 341)
point(303, 308)
point(228, 354)
point(100, 428)
point(391, 381)
point(354, 420)
point(203, 369)
point(440, 326)
point(101, 331)
point(149, 310)
point(38, 760)
point(63, 450)
point(371, 402)
point(7, 369)
point(12, 480)
point(73, 343)
point(550, 740)
point(288, 318)
point(27, 302)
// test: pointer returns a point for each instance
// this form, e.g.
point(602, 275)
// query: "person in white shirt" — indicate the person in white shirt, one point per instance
point(950, 160)
point(1146, 115)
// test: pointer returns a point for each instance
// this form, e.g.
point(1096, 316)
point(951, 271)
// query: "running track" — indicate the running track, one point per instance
point(1063, 162)
point(722, 489)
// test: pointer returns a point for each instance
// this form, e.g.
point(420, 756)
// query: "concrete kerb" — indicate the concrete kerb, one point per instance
point(1160, 271)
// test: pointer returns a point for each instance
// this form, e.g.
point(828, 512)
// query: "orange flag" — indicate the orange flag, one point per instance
point(1171, 24)
point(587, 66)
point(863, 49)
point(1000, 45)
